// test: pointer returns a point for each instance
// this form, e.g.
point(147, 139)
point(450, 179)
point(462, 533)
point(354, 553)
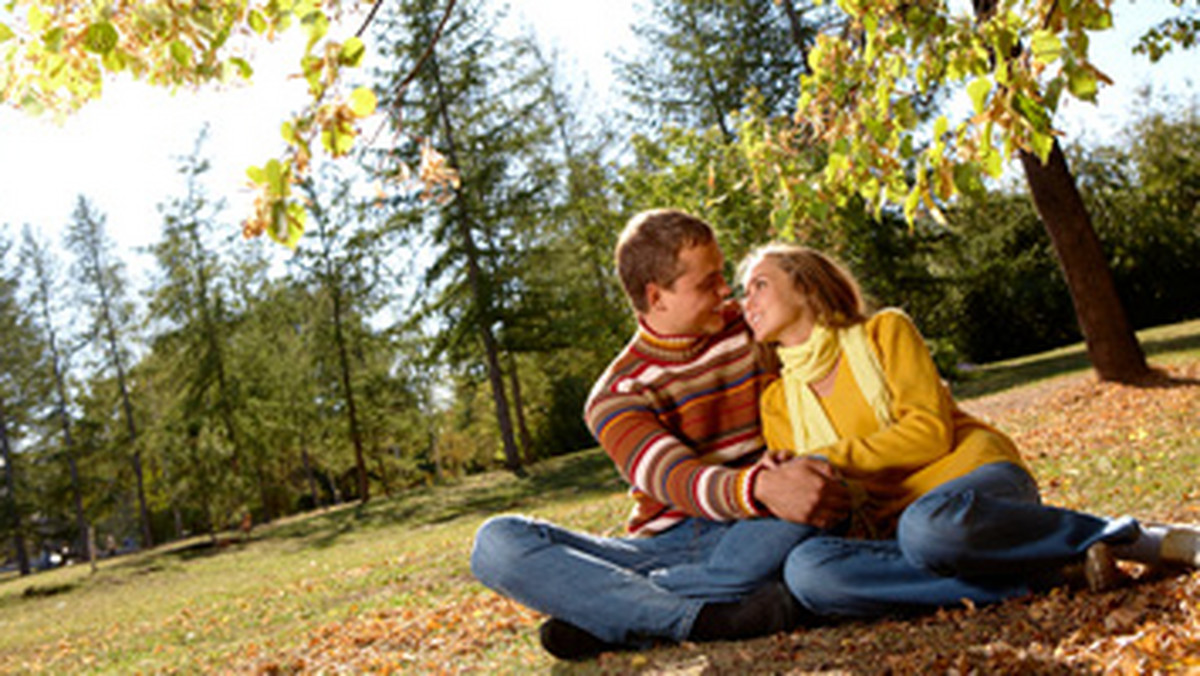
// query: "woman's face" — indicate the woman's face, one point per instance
point(775, 309)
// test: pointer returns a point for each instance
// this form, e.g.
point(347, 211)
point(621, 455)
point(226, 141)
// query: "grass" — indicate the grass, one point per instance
point(386, 587)
point(1163, 345)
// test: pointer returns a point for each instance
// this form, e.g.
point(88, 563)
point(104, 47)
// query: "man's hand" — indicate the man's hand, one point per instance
point(803, 490)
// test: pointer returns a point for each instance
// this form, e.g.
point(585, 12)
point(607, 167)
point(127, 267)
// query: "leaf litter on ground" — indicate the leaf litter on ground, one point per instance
point(1100, 447)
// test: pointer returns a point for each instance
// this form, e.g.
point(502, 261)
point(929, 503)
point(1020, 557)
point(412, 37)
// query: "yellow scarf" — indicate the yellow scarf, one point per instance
point(812, 360)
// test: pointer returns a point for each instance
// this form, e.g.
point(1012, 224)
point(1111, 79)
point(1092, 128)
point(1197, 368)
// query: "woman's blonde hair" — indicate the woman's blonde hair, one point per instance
point(831, 290)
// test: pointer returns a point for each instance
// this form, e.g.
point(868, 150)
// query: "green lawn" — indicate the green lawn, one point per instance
point(386, 587)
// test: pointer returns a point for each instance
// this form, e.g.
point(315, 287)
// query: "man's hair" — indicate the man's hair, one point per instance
point(831, 290)
point(648, 250)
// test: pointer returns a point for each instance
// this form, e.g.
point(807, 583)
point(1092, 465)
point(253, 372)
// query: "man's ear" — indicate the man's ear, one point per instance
point(654, 296)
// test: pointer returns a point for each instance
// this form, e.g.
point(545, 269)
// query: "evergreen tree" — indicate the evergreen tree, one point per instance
point(190, 309)
point(102, 290)
point(20, 361)
point(480, 98)
point(702, 60)
point(341, 271)
point(45, 279)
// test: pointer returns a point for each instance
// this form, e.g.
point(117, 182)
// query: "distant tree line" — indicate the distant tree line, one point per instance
point(414, 339)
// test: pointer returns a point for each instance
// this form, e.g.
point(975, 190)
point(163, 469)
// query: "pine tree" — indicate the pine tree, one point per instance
point(703, 60)
point(20, 360)
point(44, 276)
point(102, 289)
point(481, 99)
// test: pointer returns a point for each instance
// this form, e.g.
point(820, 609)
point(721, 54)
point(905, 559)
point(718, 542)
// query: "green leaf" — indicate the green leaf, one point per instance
point(336, 141)
point(6, 33)
point(993, 163)
point(1042, 145)
point(296, 215)
point(978, 90)
point(1003, 41)
point(114, 61)
point(1082, 84)
point(257, 22)
point(1097, 18)
point(243, 67)
point(363, 101)
point(100, 38)
point(180, 53)
point(52, 39)
point(257, 175)
point(352, 52)
point(274, 175)
point(940, 126)
point(911, 203)
point(1032, 111)
point(1046, 46)
point(288, 131)
point(966, 180)
point(1052, 94)
point(317, 26)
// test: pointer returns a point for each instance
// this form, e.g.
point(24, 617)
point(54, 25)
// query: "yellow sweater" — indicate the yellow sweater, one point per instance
point(931, 441)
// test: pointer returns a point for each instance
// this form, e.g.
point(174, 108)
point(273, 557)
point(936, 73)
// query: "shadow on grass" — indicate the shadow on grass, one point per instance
point(573, 476)
point(1005, 375)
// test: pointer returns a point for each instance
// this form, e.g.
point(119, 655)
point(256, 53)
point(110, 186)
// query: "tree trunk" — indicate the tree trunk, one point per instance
point(10, 485)
point(491, 349)
point(69, 449)
point(519, 409)
point(309, 477)
point(360, 462)
point(383, 473)
point(64, 417)
point(796, 28)
point(127, 407)
point(1111, 345)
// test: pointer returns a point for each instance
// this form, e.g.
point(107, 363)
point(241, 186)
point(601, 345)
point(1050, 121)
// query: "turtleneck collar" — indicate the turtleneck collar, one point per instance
point(672, 347)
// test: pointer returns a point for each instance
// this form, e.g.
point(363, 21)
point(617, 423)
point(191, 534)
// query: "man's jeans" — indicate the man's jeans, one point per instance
point(985, 537)
point(630, 590)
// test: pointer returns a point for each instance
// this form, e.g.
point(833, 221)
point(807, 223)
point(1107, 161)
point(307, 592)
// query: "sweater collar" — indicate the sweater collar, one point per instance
point(679, 347)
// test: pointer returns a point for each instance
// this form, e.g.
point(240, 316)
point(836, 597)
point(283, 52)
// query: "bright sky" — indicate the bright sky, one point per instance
point(122, 151)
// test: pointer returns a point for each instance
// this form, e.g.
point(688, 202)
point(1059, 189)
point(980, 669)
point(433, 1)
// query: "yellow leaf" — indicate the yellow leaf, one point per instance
point(363, 102)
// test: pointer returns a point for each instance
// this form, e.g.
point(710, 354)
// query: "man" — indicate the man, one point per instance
point(677, 411)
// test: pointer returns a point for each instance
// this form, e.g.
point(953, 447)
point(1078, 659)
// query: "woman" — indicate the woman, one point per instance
point(948, 508)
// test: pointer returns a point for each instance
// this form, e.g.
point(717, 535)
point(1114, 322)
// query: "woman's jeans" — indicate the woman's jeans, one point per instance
point(984, 537)
point(630, 590)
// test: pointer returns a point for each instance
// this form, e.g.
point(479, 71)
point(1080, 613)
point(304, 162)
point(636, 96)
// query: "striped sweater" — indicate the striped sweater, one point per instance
point(679, 417)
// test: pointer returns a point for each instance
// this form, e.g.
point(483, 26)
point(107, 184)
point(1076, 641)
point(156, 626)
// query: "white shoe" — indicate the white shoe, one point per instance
point(1180, 545)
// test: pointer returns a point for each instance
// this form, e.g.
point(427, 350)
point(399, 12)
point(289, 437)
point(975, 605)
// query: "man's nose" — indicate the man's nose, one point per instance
point(724, 289)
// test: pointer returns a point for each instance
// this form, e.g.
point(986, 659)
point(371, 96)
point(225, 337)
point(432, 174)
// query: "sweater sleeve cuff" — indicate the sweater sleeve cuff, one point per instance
point(746, 501)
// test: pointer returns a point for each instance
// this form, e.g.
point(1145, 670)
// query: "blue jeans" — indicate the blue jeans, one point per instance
point(630, 590)
point(985, 537)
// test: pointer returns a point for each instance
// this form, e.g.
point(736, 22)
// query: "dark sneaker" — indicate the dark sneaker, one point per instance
point(769, 610)
point(568, 642)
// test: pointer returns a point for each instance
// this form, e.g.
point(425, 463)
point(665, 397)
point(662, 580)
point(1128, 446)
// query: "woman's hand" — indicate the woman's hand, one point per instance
point(802, 490)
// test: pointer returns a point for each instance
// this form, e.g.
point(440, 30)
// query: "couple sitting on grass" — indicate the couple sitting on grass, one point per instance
point(875, 494)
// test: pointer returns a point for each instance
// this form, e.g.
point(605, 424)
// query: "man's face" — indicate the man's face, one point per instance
point(693, 304)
